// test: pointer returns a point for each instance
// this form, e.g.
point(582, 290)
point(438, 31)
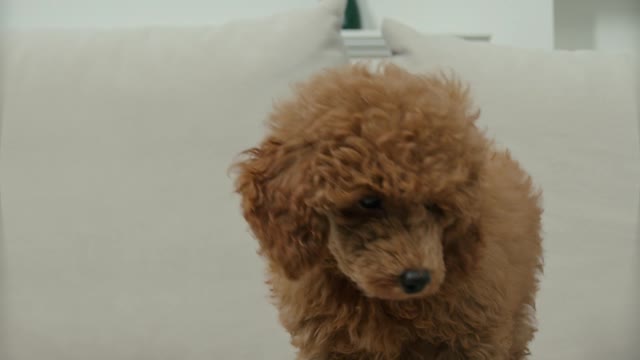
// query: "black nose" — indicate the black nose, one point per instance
point(413, 281)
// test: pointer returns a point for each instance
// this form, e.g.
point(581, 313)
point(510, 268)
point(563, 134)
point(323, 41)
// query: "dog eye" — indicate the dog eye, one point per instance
point(370, 203)
point(435, 209)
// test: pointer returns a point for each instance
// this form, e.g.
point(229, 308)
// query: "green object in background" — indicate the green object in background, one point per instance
point(352, 16)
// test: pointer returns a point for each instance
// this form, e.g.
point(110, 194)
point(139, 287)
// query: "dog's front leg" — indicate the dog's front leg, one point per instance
point(477, 348)
point(335, 356)
point(313, 356)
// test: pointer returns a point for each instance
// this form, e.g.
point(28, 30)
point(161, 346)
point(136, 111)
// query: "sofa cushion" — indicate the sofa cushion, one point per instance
point(122, 238)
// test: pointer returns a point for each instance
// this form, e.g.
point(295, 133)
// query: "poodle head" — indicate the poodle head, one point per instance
point(374, 175)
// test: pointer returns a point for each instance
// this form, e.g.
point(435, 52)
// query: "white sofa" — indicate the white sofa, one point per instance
point(122, 240)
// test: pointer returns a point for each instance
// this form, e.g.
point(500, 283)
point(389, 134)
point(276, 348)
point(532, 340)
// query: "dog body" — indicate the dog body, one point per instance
point(393, 228)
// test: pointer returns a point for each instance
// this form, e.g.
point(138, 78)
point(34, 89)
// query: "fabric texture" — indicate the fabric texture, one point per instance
point(122, 238)
point(571, 118)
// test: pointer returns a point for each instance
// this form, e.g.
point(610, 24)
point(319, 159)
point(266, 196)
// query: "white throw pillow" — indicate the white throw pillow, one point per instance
point(122, 238)
point(571, 118)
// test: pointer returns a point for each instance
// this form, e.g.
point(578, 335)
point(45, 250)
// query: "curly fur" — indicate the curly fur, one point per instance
point(333, 267)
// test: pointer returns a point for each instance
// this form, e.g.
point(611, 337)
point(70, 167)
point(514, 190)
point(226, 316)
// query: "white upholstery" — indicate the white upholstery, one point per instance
point(572, 120)
point(121, 237)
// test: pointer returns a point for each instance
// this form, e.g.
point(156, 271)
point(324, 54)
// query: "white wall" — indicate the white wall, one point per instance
point(523, 23)
point(526, 23)
point(83, 13)
point(612, 25)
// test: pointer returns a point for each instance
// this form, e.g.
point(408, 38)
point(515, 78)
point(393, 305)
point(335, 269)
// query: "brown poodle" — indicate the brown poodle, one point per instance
point(393, 228)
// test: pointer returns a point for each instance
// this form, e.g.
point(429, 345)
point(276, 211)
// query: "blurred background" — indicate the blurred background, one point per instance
point(609, 25)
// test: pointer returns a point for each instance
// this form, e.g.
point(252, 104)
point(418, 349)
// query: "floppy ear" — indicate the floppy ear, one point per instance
point(462, 240)
point(462, 244)
point(276, 188)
